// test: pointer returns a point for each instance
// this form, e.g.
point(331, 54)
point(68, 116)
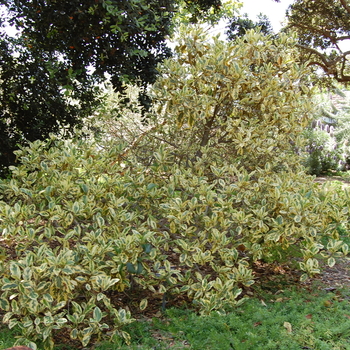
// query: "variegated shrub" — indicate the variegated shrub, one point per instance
point(209, 187)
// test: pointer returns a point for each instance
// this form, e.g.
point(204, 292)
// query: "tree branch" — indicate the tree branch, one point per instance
point(206, 135)
point(343, 66)
point(327, 34)
point(345, 5)
point(329, 66)
point(137, 142)
point(323, 57)
point(345, 37)
point(314, 51)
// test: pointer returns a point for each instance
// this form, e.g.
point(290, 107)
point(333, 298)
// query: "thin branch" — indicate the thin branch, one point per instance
point(323, 57)
point(329, 66)
point(323, 66)
point(343, 79)
point(345, 5)
point(165, 141)
point(346, 77)
point(137, 142)
point(345, 37)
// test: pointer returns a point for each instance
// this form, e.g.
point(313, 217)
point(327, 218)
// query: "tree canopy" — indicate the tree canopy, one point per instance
point(239, 25)
point(37, 96)
point(125, 39)
point(323, 28)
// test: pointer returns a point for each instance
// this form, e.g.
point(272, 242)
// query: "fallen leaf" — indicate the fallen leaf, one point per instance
point(309, 316)
point(347, 316)
point(327, 303)
point(257, 324)
point(288, 327)
point(279, 300)
point(263, 303)
point(279, 291)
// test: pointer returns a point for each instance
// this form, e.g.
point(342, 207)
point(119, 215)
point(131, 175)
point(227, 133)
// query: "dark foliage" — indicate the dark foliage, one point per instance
point(199, 7)
point(37, 96)
point(125, 39)
point(238, 26)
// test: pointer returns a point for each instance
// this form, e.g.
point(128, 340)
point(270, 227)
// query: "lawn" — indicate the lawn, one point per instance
point(295, 318)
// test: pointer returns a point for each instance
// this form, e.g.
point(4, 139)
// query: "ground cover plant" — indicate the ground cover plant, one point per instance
point(95, 231)
point(283, 321)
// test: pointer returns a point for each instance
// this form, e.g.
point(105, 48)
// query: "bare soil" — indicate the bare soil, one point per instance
point(323, 179)
point(336, 277)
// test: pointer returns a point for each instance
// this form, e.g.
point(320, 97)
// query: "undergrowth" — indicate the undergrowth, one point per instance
point(298, 317)
point(287, 319)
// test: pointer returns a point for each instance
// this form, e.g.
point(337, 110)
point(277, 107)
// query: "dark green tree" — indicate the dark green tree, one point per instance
point(37, 96)
point(238, 26)
point(125, 39)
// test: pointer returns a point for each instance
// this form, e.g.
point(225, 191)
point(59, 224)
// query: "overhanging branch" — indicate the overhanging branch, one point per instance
point(321, 56)
point(345, 5)
point(329, 66)
point(325, 33)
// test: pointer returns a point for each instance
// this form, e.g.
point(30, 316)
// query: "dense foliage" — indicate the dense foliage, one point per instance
point(322, 155)
point(38, 96)
point(239, 25)
point(236, 99)
point(125, 40)
point(48, 74)
point(323, 31)
point(181, 207)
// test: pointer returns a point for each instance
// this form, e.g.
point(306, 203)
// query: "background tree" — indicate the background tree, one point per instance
point(323, 28)
point(329, 133)
point(125, 39)
point(37, 96)
point(238, 25)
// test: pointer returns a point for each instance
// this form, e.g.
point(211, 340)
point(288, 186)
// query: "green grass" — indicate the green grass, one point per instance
point(318, 320)
point(6, 337)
